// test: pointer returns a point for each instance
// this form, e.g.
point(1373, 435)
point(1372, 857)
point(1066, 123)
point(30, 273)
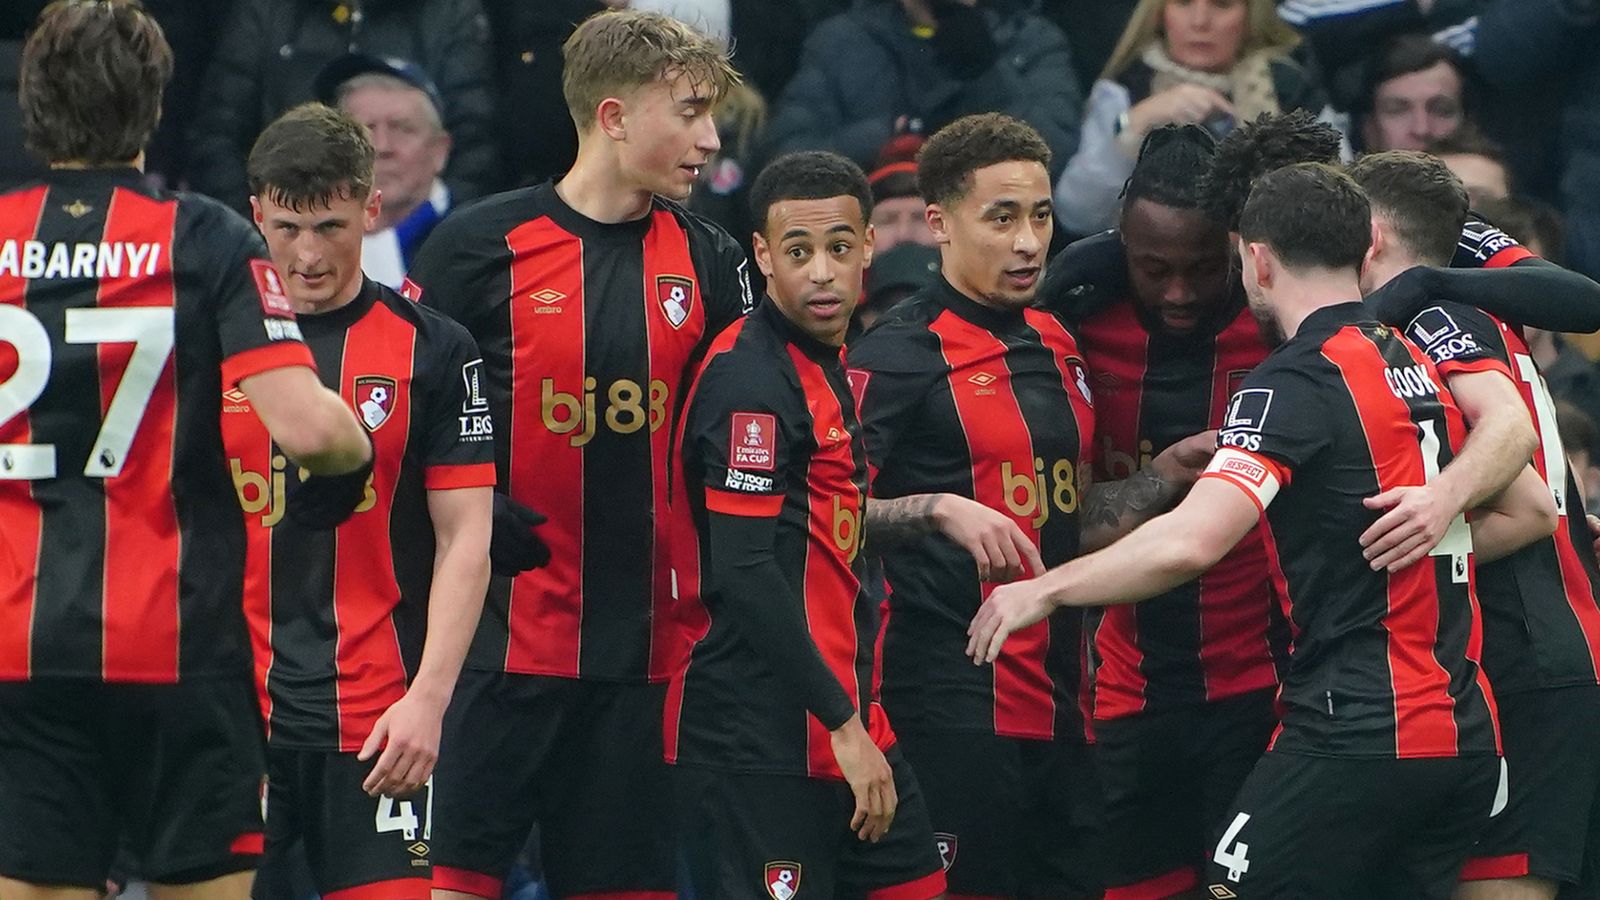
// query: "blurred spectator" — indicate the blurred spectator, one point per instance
point(1478, 162)
point(272, 50)
point(898, 211)
point(712, 18)
point(1580, 437)
point(892, 66)
point(1092, 27)
point(402, 112)
point(769, 34)
point(536, 136)
point(1414, 94)
point(1549, 47)
point(1211, 62)
point(1343, 32)
point(894, 276)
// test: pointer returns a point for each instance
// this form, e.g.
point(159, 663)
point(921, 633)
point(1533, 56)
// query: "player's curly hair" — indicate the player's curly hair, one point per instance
point(1172, 160)
point(946, 162)
point(1256, 148)
point(808, 175)
point(310, 156)
point(91, 79)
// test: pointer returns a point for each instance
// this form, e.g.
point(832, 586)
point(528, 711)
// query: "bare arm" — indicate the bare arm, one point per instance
point(1501, 442)
point(311, 423)
point(1156, 557)
point(1114, 508)
point(997, 544)
point(408, 731)
point(1519, 515)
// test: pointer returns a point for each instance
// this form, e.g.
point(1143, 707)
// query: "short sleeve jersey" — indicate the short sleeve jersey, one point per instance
point(589, 332)
point(994, 406)
point(1383, 664)
point(336, 616)
point(124, 315)
point(1541, 618)
point(771, 432)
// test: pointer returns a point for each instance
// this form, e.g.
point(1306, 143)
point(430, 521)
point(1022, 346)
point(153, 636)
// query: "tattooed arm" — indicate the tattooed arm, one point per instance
point(1113, 509)
point(1001, 550)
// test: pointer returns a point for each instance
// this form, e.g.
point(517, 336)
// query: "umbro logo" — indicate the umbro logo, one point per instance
point(547, 296)
point(418, 849)
point(982, 379)
point(1221, 892)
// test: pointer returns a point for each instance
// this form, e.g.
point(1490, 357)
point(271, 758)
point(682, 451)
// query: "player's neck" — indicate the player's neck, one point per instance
point(346, 296)
point(592, 188)
point(1301, 294)
point(77, 164)
point(1386, 268)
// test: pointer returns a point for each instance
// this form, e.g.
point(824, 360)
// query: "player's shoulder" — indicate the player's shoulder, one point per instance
point(704, 234)
point(492, 216)
point(747, 362)
point(210, 223)
point(902, 339)
point(432, 326)
point(1086, 277)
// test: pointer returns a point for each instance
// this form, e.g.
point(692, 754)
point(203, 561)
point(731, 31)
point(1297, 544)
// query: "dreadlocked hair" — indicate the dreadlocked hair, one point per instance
point(1252, 150)
point(1171, 162)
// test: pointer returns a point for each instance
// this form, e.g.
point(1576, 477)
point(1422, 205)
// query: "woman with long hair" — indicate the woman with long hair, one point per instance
point(1208, 62)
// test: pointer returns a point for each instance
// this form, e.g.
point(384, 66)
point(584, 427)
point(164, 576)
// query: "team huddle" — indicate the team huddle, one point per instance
point(1233, 554)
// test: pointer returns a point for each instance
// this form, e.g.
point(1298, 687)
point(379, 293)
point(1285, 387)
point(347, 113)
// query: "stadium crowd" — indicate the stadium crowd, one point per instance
point(892, 449)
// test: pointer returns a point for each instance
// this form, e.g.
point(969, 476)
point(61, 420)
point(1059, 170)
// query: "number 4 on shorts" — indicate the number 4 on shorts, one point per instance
point(1236, 860)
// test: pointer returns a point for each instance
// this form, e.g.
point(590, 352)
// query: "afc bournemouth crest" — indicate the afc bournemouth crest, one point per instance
point(374, 399)
point(675, 293)
point(947, 848)
point(783, 879)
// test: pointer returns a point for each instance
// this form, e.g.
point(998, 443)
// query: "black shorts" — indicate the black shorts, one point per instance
point(1306, 827)
point(1167, 778)
point(351, 840)
point(752, 836)
point(1551, 823)
point(582, 758)
point(1012, 817)
point(170, 773)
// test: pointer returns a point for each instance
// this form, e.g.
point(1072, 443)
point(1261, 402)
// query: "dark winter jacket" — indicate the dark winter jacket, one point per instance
point(272, 50)
point(863, 71)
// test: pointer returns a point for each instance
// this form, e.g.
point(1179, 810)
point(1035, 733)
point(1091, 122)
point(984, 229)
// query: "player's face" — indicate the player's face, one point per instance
point(1253, 266)
point(813, 254)
point(411, 150)
point(668, 136)
point(1178, 264)
point(993, 240)
point(317, 249)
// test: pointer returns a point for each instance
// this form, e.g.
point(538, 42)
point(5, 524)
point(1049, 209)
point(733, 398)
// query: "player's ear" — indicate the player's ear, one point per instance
point(938, 223)
point(1261, 262)
point(609, 119)
point(762, 253)
point(373, 208)
point(256, 215)
point(867, 241)
point(1380, 240)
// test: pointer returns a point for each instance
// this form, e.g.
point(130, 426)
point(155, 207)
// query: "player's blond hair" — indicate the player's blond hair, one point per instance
point(614, 53)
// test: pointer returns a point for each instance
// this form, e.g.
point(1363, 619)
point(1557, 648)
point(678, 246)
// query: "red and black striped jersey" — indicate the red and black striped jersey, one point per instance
point(588, 333)
point(1220, 635)
point(993, 405)
point(1383, 665)
point(336, 616)
point(1541, 616)
point(770, 438)
point(124, 313)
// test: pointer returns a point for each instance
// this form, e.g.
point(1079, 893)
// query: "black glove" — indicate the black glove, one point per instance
point(1407, 294)
point(1482, 241)
point(513, 547)
point(322, 502)
point(963, 41)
